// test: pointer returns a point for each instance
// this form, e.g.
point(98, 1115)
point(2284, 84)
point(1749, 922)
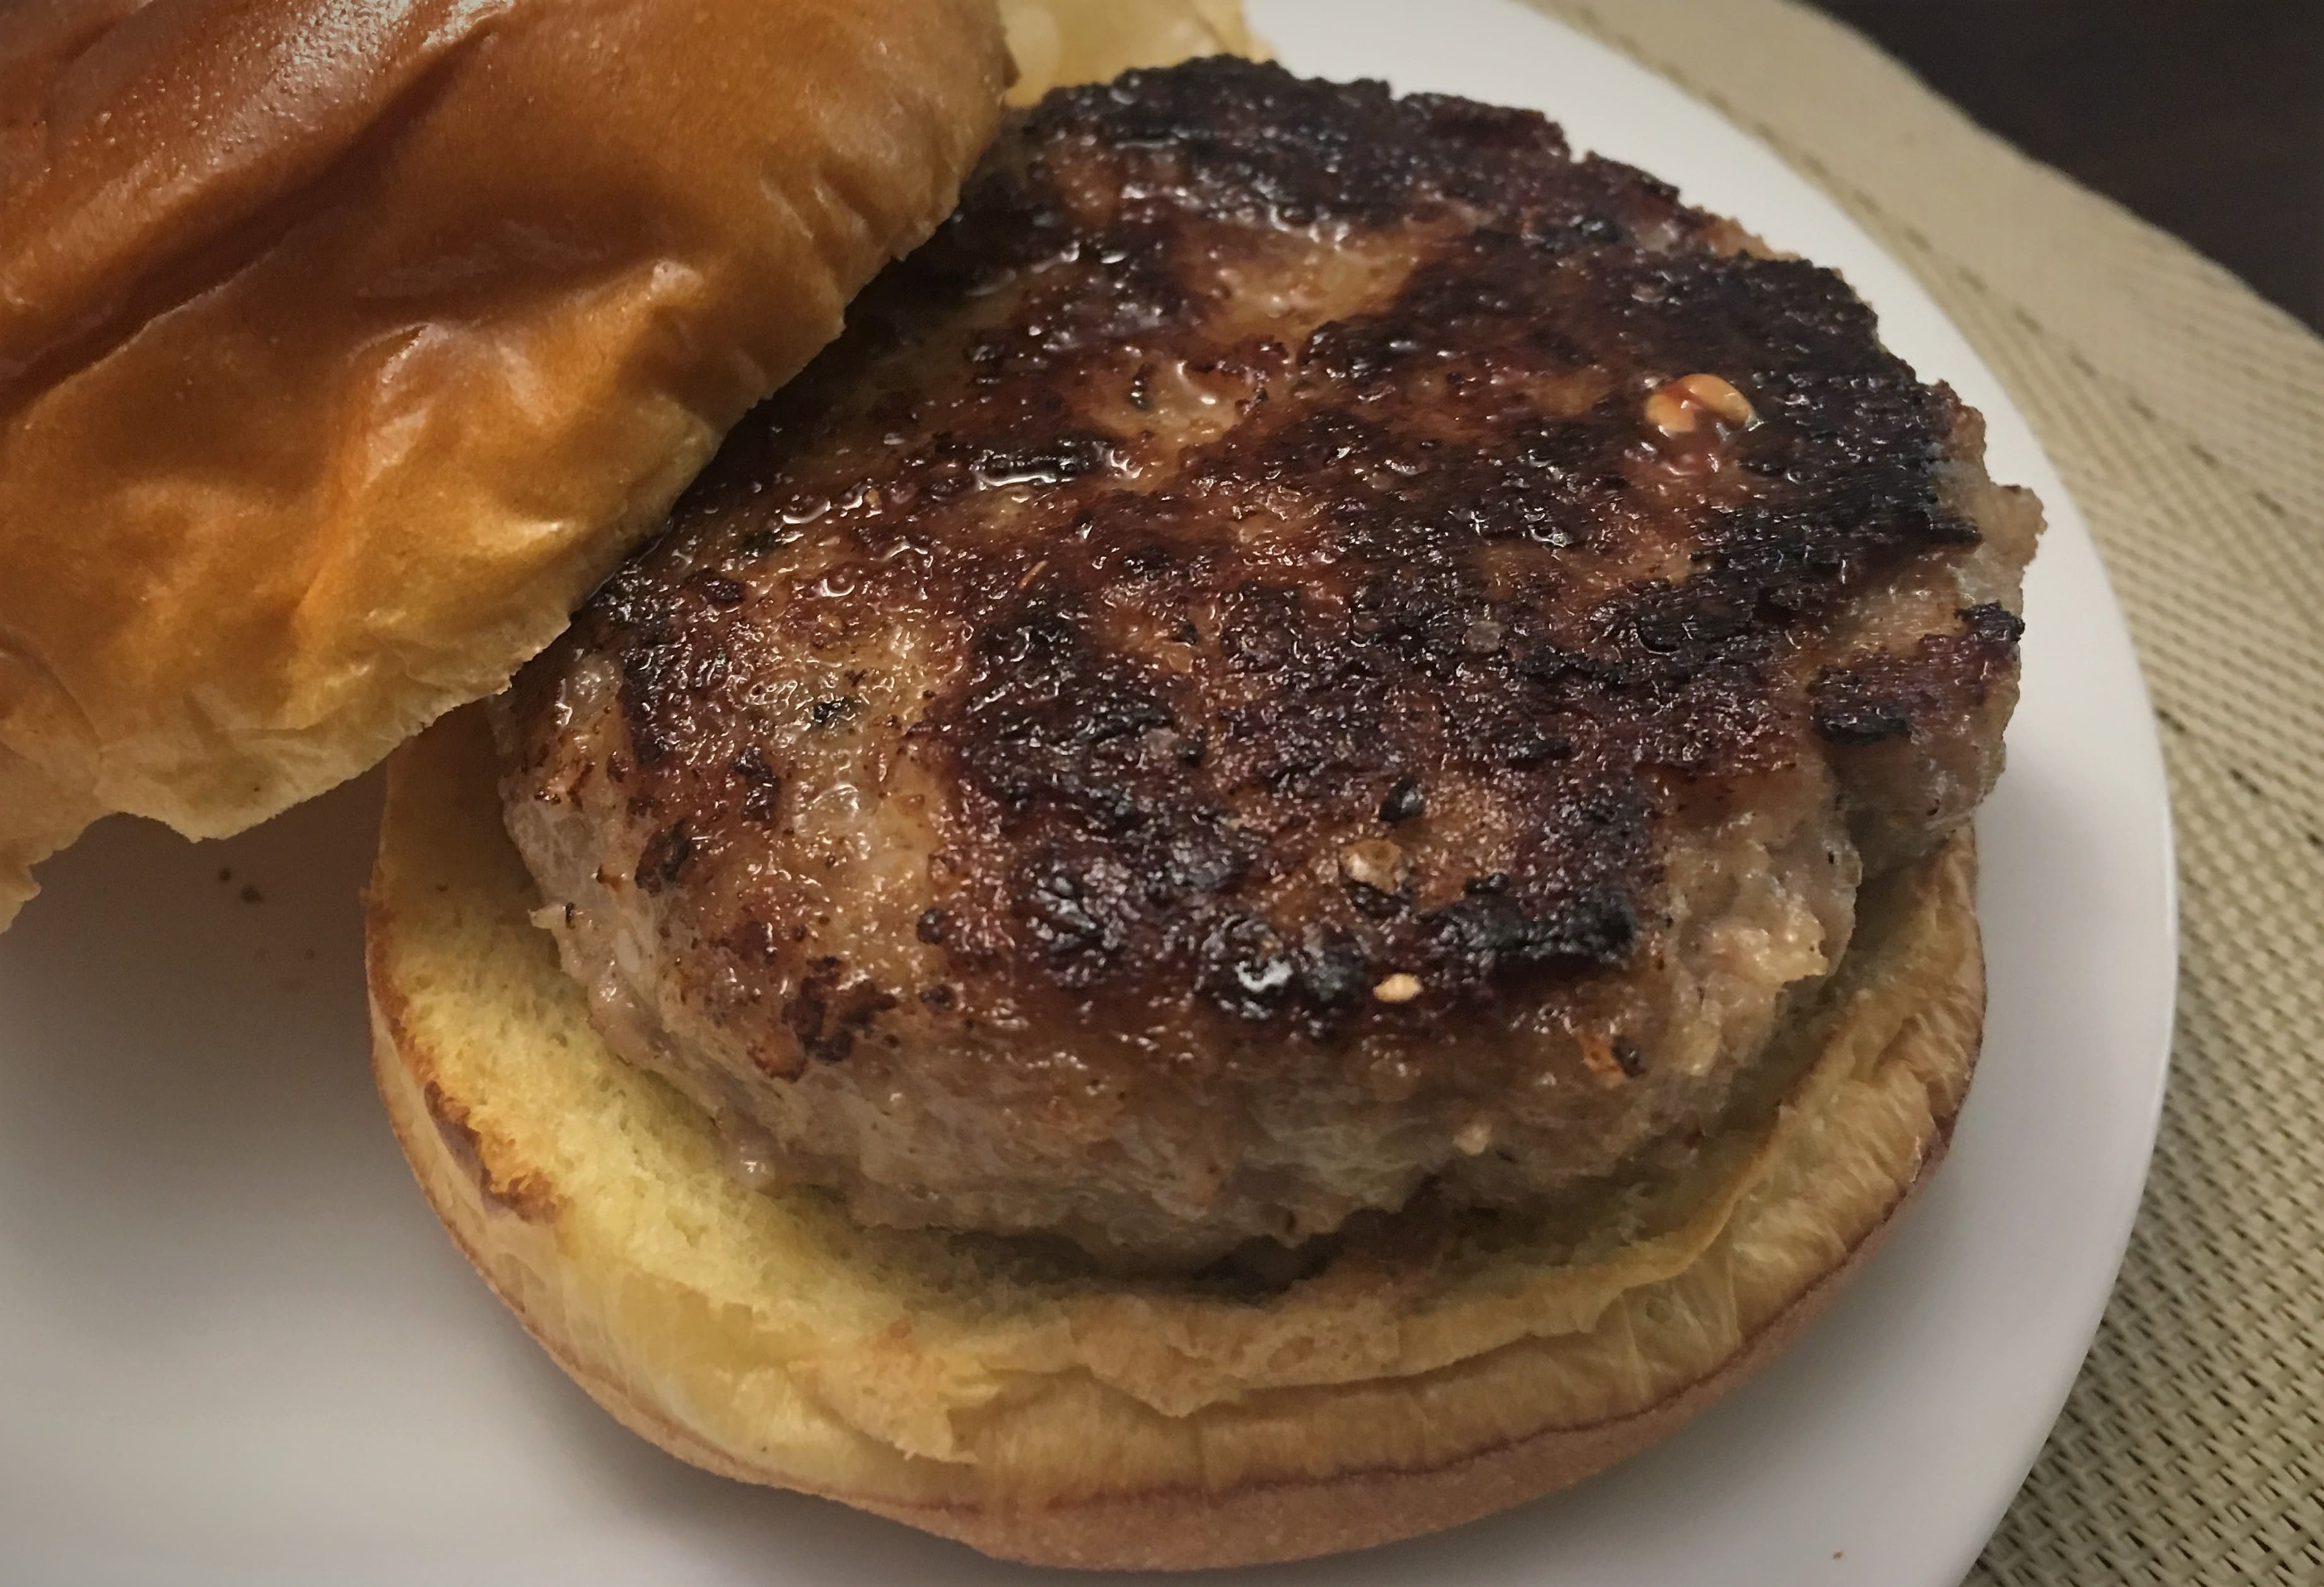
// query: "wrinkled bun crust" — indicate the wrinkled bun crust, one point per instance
point(343, 348)
point(1024, 1404)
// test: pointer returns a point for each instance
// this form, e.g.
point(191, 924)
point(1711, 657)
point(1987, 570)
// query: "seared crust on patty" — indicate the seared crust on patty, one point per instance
point(1310, 644)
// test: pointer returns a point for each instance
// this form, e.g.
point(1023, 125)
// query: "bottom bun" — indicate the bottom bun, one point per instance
point(1436, 1367)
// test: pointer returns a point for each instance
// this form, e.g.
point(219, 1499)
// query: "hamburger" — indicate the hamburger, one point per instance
point(1280, 860)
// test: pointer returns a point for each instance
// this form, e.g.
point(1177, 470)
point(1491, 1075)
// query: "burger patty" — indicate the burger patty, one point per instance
point(1309, 645)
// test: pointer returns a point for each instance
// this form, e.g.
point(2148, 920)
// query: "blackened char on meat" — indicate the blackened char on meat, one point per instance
point(1308, 643)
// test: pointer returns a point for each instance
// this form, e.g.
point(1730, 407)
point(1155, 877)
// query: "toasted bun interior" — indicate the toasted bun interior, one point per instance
point(344, 347)
point(1434, 1371)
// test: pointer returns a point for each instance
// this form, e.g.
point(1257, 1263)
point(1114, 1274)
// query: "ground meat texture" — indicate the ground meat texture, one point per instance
point(1251, 682)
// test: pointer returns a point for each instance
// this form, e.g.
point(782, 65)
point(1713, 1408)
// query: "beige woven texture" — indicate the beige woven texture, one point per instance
point(2187, 416)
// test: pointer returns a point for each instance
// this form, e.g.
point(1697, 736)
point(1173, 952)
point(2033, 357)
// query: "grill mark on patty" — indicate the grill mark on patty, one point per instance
point(1878, 699)
point(1302, 632)
point(1176, 666)
point(1243, 140)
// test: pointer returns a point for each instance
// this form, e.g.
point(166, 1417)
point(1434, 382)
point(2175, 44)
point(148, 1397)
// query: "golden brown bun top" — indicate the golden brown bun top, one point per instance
point(343, 348)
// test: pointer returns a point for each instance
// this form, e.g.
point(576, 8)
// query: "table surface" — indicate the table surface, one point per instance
point(2186, 414)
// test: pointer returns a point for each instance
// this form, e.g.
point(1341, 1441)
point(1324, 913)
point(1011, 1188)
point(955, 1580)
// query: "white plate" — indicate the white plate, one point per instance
point(235, 1347)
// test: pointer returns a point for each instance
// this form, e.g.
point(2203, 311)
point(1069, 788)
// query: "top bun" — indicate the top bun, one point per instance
point(343, 348)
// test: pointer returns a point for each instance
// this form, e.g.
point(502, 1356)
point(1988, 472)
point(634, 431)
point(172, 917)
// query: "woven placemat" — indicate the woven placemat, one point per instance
point(2187, 416)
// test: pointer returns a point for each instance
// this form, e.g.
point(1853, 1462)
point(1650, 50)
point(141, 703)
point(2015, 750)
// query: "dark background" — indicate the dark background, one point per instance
point(2206, 116)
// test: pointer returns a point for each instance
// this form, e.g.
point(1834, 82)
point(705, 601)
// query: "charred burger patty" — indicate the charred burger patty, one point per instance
point(1310, 645)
